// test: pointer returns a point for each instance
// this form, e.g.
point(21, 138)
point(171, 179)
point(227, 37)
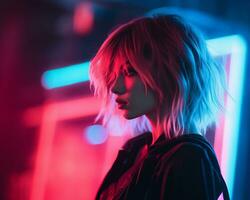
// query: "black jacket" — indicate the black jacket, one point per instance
point(181, 168)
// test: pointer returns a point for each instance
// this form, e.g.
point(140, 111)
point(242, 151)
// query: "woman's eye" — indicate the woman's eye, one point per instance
point(129, 72)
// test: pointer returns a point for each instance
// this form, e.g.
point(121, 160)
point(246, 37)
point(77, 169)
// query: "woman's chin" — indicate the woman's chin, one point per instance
point(127, 115)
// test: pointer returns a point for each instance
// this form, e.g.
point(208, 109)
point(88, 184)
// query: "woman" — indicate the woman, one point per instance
point(156, 73)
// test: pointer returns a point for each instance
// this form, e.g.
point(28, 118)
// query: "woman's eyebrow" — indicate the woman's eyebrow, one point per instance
point(125, 65)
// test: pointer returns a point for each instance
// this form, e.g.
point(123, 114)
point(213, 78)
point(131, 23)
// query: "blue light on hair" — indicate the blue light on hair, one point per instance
point(65, 76)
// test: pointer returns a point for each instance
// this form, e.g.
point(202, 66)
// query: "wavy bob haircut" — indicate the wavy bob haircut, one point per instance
point(171, 59)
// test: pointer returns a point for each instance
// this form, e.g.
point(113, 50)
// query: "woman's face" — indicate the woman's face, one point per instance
point(130, 95)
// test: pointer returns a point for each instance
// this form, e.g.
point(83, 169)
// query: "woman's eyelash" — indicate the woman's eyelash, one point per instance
point(129, 71)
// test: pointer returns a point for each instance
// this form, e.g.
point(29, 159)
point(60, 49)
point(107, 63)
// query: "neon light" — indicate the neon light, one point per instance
point(65, 76)
point(46, 136)
point(83, 20)
point(96, 134)
point(71, 109)
point(51, 114)
point(235, 46)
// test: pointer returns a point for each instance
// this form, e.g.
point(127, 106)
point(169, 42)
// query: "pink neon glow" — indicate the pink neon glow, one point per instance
point(70, 109)
point(43, 153)
point(83, 18)
point(50, 114)
point(73, 166)
point(219, 136)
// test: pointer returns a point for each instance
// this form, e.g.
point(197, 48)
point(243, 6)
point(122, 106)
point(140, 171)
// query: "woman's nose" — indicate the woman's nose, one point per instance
point(118, 86)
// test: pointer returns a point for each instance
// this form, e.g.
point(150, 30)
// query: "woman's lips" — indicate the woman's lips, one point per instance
point(121, 103)
point(122, 106)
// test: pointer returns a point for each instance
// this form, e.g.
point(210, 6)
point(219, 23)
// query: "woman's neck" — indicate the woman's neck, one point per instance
point(157, 128)
point(156, 132)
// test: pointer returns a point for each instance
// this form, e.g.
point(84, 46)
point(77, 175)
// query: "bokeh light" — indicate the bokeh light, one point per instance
point(96, 134)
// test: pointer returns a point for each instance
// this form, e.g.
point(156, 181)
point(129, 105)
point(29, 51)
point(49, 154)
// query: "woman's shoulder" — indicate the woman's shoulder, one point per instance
point(187, 150)
point(185, 153)
point(190, 145)
point(186, 159)
point(189, 163)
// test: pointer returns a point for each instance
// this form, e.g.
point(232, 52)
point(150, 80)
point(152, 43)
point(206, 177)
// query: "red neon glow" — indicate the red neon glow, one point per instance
point(83, 18)
point(74, 167)
point(46, 135)
point(50, 114)
point(70, 109)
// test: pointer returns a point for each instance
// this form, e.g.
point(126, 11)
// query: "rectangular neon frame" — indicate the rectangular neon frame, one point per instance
point(236, 47)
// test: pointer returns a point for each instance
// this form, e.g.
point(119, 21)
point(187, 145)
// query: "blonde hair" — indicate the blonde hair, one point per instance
point(172, 59)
